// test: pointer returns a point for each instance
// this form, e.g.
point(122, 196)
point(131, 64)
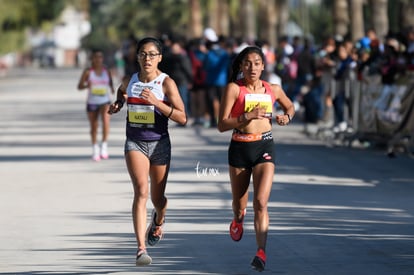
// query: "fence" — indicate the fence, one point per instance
point(377, 114)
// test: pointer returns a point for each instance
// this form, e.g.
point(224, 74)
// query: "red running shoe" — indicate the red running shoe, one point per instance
point(259, 261)
point(236, 228)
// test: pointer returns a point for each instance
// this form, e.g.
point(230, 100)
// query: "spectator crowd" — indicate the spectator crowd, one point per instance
point(315, 77)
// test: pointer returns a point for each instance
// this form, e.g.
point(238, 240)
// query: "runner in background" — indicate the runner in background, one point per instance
point(98, 80)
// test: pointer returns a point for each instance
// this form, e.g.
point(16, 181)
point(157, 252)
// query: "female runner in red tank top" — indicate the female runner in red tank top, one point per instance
point(246, 108)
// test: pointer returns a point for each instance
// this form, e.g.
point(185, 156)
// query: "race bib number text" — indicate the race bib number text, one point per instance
point(141, 114)
point(262, 100)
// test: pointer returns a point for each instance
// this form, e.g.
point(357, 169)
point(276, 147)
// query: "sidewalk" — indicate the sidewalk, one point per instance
point(332, 211)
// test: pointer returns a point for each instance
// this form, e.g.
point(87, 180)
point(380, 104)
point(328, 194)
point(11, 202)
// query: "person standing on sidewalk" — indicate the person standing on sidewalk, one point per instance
point(177, 64)
point(216, 65)
point(98, 80)
point(246, 109)
point(152, 99)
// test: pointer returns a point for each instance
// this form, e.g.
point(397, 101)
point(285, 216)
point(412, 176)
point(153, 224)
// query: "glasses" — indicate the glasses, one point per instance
point(144, 56)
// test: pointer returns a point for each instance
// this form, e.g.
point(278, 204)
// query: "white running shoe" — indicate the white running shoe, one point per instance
point(143, 258)
point(95, 153)
point(104, 150)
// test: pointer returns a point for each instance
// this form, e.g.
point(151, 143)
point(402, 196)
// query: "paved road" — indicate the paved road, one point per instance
point(333, 210)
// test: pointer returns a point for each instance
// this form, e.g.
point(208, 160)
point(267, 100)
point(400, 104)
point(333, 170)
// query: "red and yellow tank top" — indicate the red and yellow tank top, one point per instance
point(246, 101)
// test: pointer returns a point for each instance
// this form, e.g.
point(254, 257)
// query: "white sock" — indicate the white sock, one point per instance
point(95, 150)
point(104, 149)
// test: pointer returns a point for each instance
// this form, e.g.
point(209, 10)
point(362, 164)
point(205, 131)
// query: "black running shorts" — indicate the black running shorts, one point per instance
point(249, 154)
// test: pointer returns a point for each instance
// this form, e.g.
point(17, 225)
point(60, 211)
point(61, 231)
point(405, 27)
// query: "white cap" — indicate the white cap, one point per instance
point(289, 49)
point(392, 42)
point(210, 35)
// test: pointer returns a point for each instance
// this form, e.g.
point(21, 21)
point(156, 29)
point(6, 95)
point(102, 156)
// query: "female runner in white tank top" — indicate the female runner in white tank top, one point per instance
point(98, 80)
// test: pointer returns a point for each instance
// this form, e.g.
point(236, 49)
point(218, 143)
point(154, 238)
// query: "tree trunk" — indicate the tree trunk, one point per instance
point(196, 26)
point(341, 17)
point(357, 19)
point(218, 16)
point(379, 17)
point(212, 15)
point(282, 11)
point(267, 21)
point(407, 11)
point(223, 23)
point(247, 22)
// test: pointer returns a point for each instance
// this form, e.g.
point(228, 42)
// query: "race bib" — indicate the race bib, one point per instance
point(141, 114)
point(263, 100)
point(99, 91)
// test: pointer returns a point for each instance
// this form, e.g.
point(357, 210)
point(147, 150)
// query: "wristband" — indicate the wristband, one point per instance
point(289, 117)
point(172, 109)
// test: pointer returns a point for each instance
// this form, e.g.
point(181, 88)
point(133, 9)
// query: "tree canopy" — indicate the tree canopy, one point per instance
point(113, 21)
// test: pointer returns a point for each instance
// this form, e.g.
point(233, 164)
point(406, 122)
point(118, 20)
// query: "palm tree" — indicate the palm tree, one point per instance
point(282, 9)
point(248, 15)
point(379, 17)
point(268, 21)
point(357, 22)
point(196, 25)
point(223, 17)
point(341, 17)
point(407, 11)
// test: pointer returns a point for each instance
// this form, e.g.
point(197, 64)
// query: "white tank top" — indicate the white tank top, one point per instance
point(144, 121)
point(100, 91)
